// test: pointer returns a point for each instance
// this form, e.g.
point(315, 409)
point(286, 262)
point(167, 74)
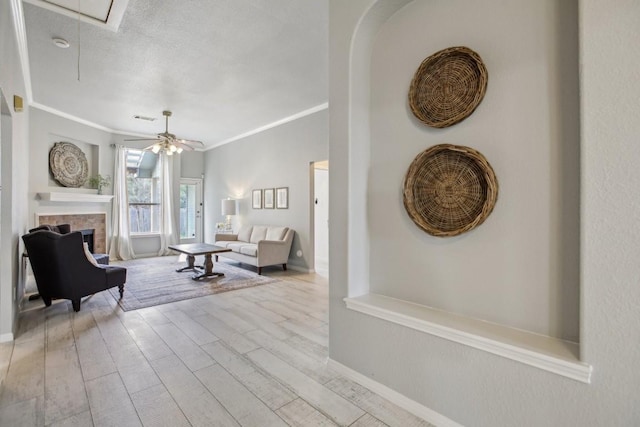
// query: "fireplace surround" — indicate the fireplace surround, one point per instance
point(84, 222)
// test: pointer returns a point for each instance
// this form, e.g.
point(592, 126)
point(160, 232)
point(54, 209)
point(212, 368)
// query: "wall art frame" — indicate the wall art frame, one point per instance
point(282, 198)
point(268, 196)
point(256, 199)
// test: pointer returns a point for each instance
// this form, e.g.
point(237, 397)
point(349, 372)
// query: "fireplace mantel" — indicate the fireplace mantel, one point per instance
point(75, 197)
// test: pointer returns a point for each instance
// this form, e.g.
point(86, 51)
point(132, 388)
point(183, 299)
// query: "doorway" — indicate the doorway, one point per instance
point(190, 210)
point(9, 273)
point(321, 216)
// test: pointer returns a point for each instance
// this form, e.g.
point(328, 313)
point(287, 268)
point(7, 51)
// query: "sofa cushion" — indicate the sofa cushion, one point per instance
point(276, 233)
point(235, 246)
point(259, 233)
point(244, 234)
point(250, 249)
point(224, 243)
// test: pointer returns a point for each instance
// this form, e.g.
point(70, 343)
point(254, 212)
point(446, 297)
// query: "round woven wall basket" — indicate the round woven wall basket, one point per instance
point(448, 86)
point(68, 164)
point(449, 190)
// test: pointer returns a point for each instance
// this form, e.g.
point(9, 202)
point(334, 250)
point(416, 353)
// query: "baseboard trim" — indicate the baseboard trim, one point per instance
point(8, 337)
point(300, 269)
point(393, 396)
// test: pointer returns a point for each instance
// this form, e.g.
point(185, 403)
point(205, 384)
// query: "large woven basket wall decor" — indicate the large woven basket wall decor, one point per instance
point(68, 164)
point(449, 190)
point(448, 86)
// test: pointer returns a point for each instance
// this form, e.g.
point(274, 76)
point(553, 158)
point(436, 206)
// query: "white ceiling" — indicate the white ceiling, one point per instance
point(223, 67)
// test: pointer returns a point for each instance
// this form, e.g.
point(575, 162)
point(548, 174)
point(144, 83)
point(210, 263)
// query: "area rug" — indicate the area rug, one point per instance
point(154, 281)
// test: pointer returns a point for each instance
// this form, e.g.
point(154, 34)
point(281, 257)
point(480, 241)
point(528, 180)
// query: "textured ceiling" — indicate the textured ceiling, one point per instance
point(223, 67)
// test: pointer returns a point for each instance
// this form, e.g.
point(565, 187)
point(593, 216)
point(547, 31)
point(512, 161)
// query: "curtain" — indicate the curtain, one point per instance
point(120, 243)
point(168, 229)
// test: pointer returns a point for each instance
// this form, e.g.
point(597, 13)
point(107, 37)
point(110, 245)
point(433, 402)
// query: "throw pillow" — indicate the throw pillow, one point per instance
point(89, 255)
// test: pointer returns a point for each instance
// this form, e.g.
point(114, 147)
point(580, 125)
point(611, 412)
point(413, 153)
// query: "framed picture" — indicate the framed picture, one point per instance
point(282, 198)
point(256, 199)
point(268, 198)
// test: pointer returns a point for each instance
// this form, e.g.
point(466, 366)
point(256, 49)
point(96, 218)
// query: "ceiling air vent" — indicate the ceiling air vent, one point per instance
point(149, 119)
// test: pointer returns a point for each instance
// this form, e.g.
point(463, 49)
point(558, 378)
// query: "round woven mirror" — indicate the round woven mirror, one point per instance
point(449, 189)
point(448, 86)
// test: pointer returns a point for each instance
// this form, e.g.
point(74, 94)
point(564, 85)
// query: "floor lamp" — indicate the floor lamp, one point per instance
point(228, 209)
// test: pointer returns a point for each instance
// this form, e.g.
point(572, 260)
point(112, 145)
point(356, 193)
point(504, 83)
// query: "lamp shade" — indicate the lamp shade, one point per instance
point(228, 207)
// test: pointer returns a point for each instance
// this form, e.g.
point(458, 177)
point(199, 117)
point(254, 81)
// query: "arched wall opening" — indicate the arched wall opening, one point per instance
point(520, 269)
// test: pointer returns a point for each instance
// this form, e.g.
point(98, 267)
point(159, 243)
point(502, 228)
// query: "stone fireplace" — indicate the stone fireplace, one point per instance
point(78, 222)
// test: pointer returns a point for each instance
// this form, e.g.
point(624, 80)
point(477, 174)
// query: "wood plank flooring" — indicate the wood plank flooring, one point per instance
point(251, 357)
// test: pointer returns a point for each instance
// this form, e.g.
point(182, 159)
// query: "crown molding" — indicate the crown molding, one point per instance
point(271, 125)
point(77, 119)
point(23, 50)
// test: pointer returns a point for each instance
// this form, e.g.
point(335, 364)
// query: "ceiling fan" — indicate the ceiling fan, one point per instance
point(169, 142)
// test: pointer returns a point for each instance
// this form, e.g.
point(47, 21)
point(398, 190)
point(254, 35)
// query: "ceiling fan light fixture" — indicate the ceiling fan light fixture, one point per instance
point(168, 142)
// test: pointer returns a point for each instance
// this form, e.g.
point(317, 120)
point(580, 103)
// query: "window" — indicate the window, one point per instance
point(143, 189)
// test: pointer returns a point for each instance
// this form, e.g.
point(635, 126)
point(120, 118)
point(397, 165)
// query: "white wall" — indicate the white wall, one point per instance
point(520, 267)
point(14, 177)
point(464, 384)
point(191, 164)
point(278, 157)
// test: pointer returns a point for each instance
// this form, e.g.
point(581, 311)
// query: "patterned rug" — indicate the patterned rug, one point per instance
point(154, 281)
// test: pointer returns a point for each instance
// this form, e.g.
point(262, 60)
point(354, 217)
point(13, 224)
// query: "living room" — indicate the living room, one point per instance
point(448, 381)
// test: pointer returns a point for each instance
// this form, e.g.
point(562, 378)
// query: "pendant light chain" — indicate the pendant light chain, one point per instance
point(78, 40)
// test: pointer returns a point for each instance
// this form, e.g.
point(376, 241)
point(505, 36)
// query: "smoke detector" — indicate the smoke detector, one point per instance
point(61, 43)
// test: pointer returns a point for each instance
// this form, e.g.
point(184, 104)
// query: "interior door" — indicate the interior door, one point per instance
point(321, 217)
point(190, 210)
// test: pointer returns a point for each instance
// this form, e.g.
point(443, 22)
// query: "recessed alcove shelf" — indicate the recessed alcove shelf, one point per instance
point(75, 197)
point(547, 353)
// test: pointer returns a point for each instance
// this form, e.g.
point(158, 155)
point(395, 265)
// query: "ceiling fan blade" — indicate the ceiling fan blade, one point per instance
point(198, 144)
point(144, 139)
point(182, 145)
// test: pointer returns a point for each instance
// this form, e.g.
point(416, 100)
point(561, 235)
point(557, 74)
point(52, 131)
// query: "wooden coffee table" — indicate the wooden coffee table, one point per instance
point(193, 249)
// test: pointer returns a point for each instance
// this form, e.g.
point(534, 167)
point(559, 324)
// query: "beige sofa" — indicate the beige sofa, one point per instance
point(258, 245)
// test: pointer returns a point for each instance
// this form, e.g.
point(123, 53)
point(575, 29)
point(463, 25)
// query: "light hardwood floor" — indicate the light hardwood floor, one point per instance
point(251, 357)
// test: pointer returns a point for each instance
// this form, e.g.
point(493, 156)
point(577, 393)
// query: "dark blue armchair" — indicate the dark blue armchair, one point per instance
point(62, 270)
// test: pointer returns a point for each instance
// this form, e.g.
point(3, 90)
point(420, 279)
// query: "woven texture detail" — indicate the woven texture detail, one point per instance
point(448, 86)
point(449, 190)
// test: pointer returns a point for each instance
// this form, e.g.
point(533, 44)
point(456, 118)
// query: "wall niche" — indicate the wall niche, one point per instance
point(519, 270)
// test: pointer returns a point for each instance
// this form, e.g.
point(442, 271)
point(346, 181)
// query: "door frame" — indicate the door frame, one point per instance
point(198, 182)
